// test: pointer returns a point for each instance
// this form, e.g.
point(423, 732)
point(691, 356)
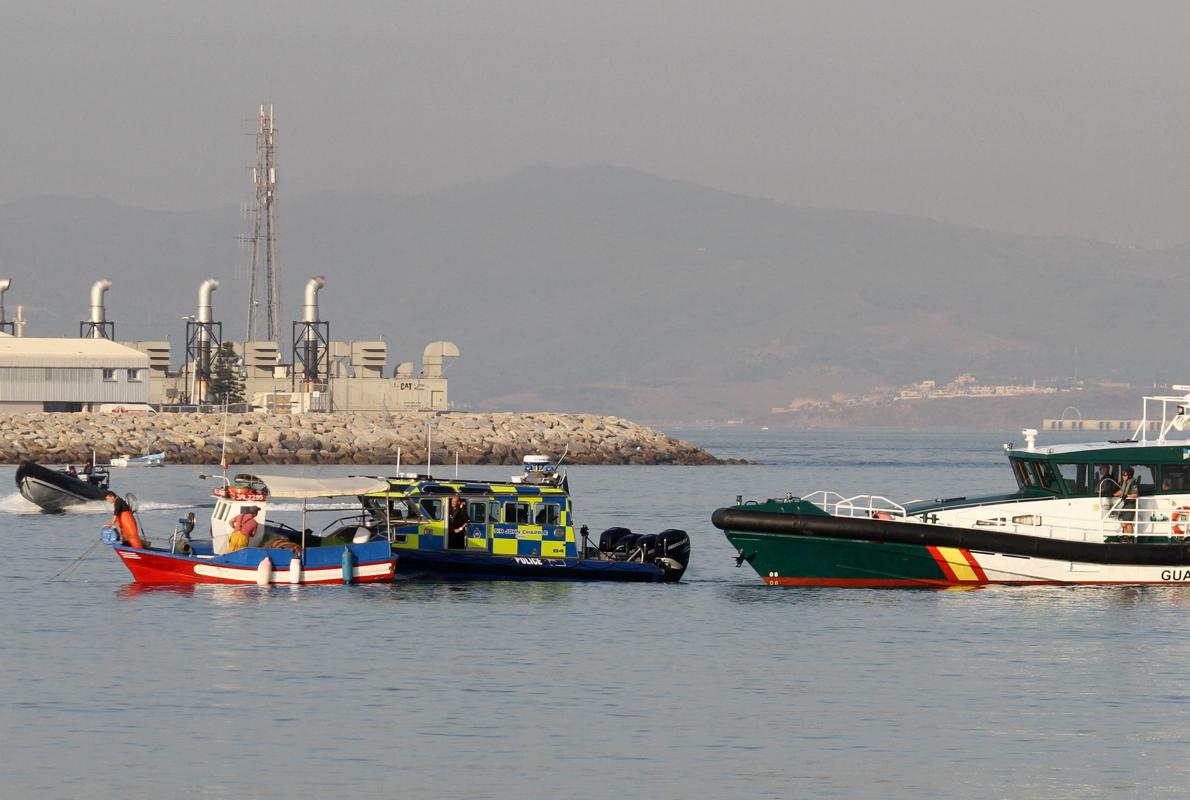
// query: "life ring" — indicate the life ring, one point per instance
point(1181, 515)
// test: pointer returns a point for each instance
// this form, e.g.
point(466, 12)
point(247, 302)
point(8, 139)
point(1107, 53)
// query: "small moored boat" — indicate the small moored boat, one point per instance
point(54, 490)
point(277, 553)
point(1114, 512)
point(150, 460)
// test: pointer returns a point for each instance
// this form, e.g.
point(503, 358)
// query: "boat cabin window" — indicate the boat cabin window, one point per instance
point(548, 514)
point(394, 509)
point(494, 510)
point(1035, 475)
point(432, 507)
point(516, 513)
point(1175, 478)
point(221, 511)
point(1078, 478)
point(1144, 477)
point(477, 512)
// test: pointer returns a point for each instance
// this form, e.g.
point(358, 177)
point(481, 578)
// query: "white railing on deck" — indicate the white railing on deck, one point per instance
point(861, 505)
point(1000, 517)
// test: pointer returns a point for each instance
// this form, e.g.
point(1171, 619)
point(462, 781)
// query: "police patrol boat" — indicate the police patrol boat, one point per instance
point(522, 528)
point(1112, 512)
point(277, 553)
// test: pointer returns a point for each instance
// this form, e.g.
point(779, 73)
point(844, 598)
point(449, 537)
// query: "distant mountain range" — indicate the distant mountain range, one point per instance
point(609, 290)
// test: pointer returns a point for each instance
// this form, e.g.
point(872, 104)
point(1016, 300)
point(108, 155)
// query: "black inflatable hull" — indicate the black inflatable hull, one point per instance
point(54, 491)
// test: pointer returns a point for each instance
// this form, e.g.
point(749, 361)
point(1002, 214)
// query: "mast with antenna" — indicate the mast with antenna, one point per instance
point(263, 238)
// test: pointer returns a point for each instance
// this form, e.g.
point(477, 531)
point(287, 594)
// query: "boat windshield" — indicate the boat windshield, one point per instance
point(1035, 475)
point(392, 508)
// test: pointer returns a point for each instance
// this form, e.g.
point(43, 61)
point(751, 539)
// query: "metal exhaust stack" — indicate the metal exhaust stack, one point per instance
point(310, 316)
point(4, 286)
point(310, 310)
point(97, 327)
point(311, 339)
point(202, 372)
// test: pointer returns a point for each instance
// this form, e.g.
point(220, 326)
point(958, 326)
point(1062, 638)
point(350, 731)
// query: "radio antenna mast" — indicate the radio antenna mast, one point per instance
point(263, 238)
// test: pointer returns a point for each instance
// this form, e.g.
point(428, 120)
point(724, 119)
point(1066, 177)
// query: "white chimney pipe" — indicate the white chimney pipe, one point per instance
point(204, 299)
point(310, 311)
point(98, 316)
point(4, 285)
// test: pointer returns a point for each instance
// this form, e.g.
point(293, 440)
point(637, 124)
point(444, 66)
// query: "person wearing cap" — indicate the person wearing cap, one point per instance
point(243, 528)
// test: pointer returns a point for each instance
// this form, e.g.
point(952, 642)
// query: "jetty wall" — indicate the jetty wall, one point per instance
point(498, 438)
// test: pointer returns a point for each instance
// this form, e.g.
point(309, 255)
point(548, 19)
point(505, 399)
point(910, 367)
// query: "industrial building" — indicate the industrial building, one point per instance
point(320, 374)
point(70, 374)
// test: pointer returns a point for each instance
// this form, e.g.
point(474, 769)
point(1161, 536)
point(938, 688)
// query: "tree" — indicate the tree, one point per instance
point(227, 384)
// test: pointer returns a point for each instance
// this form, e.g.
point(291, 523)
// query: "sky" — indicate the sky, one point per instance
point(1055, 118)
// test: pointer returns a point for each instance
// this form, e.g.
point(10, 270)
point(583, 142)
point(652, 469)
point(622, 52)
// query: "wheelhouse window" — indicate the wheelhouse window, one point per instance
point(1175, 478)
point(1035, 475)
point(1089, 479)
point(547, 514)
point(432, 507)
point(395, 509)
point(1144, 477)
point(477, 512)
point(516, 513)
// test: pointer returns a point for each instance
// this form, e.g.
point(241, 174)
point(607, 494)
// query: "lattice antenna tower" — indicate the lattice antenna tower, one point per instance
point(263, 238)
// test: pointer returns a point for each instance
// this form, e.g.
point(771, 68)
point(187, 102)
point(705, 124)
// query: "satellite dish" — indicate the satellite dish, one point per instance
point(1179, 422)
point(133, 503)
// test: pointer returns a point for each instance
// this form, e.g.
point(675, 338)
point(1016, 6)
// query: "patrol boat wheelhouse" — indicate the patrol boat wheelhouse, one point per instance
point(1064, 524)
point(522, 528)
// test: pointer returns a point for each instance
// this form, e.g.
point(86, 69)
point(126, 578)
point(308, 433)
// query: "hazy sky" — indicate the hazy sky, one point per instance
point(1045, 118)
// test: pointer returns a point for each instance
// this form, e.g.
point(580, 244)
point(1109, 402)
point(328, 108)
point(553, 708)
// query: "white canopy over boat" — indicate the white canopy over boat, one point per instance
point(291, 487)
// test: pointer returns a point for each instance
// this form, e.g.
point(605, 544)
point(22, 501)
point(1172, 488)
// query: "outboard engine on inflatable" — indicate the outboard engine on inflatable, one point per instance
point(669, 550)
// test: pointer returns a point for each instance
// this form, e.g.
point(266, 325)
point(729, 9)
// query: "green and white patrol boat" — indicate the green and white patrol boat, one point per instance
point(1113, 512)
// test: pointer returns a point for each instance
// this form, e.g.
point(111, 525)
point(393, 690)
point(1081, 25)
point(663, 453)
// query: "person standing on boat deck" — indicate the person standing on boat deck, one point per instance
point(1128, 492)
point(457, 524)
point(243, 528)
point(123, 521)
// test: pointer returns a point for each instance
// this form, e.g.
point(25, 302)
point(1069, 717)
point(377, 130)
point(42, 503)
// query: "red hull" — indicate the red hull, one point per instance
point(154, 568)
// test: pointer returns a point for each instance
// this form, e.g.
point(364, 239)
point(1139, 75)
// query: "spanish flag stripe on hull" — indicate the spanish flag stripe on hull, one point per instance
point(957, 564)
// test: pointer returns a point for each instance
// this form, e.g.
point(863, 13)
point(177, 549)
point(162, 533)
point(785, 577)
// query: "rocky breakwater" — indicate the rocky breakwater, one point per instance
point(340, 438)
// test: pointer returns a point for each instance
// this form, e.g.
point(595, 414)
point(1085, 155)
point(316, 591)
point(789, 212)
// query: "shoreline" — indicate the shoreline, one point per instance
point(348, 438)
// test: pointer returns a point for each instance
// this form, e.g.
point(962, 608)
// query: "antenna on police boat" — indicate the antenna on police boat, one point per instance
point(429, 438)
point(562, 457)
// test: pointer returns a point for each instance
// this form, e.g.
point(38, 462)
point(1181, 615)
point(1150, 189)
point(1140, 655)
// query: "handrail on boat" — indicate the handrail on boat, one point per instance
point(865, 505)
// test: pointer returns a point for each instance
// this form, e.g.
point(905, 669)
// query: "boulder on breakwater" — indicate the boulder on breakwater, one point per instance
point(497, 438)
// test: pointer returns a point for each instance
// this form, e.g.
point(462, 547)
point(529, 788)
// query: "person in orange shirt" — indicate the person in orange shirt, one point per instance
point(124, 521)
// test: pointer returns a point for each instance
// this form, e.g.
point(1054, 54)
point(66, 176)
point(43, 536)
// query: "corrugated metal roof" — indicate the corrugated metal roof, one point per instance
point(27, 351)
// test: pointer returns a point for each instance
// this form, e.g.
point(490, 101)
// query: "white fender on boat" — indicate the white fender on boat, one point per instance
point(295, 570)
point(264, 571)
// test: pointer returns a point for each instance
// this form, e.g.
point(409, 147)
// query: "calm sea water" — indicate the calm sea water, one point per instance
point(718, 687)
